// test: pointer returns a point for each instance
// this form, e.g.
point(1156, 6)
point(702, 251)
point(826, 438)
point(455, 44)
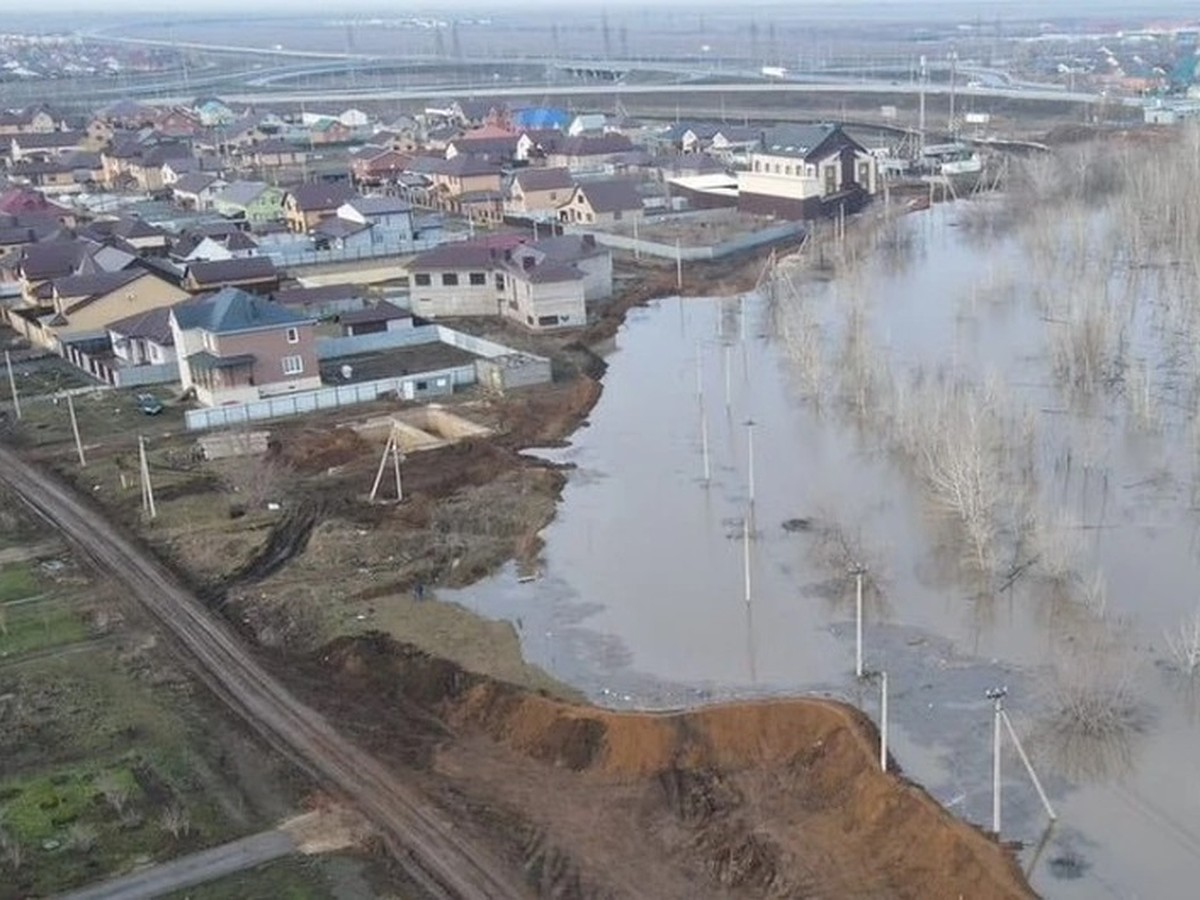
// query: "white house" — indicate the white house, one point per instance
point(585, 123)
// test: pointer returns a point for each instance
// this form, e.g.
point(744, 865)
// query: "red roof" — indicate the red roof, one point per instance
point(23, 201)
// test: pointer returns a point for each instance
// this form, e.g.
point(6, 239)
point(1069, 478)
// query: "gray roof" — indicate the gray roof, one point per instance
point(49, 140)
point(96, 284)
point(194, 183)
point(459, 255)
point(232, 310)
point(242, 193)
point(569, 247)
point(379, 206)
point(255, 268)
point(154, 325)
point(611, 195)
point(544, 179)
point(795, 140)
point(328, 293)
point(601, 145)
point(380, 312)
point(333, 227)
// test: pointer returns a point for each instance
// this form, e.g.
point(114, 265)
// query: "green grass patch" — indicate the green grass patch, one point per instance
point(292, 878)
point(17, 581)
point(27, 627)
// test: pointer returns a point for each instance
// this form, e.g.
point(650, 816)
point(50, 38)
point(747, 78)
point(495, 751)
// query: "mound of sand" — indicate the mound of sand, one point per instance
point(778, 799)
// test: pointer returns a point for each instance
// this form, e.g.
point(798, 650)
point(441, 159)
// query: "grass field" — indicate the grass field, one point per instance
point(293, 878)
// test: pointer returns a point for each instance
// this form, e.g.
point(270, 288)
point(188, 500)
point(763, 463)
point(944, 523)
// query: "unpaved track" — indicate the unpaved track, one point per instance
point(441, 861)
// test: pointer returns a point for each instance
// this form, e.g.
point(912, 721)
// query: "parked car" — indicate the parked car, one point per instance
point(149, 404)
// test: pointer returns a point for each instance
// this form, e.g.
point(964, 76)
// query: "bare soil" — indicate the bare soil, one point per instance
point(772, 799)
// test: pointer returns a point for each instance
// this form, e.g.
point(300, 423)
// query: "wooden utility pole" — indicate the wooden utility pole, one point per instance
point(12, 385)
point(147, 488)
point(75, 431)
point(393, 452)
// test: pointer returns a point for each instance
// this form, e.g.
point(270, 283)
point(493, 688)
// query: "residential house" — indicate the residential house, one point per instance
point(146, 168)
point(213, 113)
point(197, 190)
point(461, 175)
point(306, 205)
point(84, 305)
point(31, 204)
point(144, 338)
point(34, 120)
point(537, 144)
point(587, 123)
point(734, 143)
point(538, 193)
point(354, 118)
point(540, 118)
point(41, 146)
point(374, 166)
point(19, 232)
point(199, 246)
point(541, 285)
point(390, 219)
point(50, 176)
point(479, 207)
point(275, 154)
point(176, 168)
point(235, 347)
point(586, 153)
point(135, 235)
point(254, 201)
point(805, 171)
point(253, 273)
point(691, 137)
point(177, 122)
point(128, 115)
point(602, 203)
point(460, 278)
point(329, 131)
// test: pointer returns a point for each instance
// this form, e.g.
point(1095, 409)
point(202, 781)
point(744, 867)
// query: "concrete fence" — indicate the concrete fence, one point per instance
point(764, 237)
point(333, 347)
point(408, 387)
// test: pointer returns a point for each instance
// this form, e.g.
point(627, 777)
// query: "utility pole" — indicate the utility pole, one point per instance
point(953, 79)
point(391, 450)
point(997, 698)
point(147, 488)
point(678, 264)
point(883, 721)
point(750, 461)
point(75, 431)
point(921, 114)
point(746, 555)
point(728, 380)
point(12, 385)
point(858, 571)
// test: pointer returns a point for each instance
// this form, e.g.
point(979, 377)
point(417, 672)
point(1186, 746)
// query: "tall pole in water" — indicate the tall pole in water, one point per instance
point(997, 698)
point(953, 77)
point(858, 572)
point(750, 461)
point(728, 379)
point(678, 265)
point(921, 114)
point(746, 555)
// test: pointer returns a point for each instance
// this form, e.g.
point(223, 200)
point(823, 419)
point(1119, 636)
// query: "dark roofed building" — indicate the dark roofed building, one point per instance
point(324, 301)
point(602, 202)
point(255, 273)
point(307, 204)
point(383, 316)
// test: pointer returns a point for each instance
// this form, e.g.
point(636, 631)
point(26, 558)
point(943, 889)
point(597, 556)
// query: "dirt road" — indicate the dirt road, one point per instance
point(437, 858)
point(194, 869)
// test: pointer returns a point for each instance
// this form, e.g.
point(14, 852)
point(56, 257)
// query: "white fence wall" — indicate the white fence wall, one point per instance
point(774, 234)
point(137, 376)
point(333, 347)
point(436, 383)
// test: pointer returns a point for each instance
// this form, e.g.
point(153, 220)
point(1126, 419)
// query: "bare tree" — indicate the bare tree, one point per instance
point(175, 820)
point(116, 792)
point(1184, 644)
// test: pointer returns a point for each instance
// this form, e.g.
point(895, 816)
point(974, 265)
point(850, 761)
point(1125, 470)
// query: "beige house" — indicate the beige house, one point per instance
point(235, 347)
point(602, 203)
point(534, 191)
point(85, 305)
point(306, 205)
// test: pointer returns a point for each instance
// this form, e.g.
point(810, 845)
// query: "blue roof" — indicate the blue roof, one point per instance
point(541, 117)
point(231, 310)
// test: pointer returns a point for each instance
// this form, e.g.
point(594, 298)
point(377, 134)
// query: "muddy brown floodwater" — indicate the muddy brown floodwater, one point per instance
point(641, 601)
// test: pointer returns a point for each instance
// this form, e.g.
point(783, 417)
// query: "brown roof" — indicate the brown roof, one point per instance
point(611, 195)
point(154, 325)
point(232, 271)
point(380, 312)
point(466, 254)
point(544, 179)
point(317, 196)
point(601, 145)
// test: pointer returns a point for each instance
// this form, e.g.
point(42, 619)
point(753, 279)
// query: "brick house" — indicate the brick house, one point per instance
point(234, 347)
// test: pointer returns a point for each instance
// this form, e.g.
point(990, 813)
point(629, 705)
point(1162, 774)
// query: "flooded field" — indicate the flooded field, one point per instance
point(1019, 489)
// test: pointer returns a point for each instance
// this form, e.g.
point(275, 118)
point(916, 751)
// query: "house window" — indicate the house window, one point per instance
point(293, 365)
point(449, 279)
point(293, 335)
point(789, 170)
point(554, 195)
point(478, 278)
point(543, 321)
point(617, 214)
point(422, 385)
point(422, 279)
point(499, 281)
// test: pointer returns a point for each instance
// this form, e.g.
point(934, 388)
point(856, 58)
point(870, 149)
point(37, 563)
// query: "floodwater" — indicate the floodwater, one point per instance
point(651, 595)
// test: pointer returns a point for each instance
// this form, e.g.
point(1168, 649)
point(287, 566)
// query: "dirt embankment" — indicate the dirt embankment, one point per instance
point(765, 799)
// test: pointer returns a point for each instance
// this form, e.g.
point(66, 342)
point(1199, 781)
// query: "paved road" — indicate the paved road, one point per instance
point(443, 862)
point(189, 871)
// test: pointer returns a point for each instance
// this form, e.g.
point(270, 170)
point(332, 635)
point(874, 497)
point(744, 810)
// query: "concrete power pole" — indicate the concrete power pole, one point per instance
point(921, 114)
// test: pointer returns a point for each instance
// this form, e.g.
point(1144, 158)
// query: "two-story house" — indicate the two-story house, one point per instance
point(235, 347)
point(806, 171)
point(460, 278)
point(602, 203)
point(254, 201)
point(538, 193)
point(307, 204)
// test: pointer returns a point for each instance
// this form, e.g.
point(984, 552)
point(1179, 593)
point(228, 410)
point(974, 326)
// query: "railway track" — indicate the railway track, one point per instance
point(443, 862)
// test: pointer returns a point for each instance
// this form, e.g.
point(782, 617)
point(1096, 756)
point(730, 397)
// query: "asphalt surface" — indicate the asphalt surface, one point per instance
point(189, 871)
point(438, 859)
